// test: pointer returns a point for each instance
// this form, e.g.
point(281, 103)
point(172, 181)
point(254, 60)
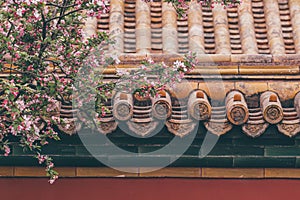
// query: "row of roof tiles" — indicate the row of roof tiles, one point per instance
point(182, 116)
point(254, 27)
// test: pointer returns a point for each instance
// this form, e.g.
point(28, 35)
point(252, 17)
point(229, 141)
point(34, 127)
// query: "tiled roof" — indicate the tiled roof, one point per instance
point(266, 27)
point(255, 47)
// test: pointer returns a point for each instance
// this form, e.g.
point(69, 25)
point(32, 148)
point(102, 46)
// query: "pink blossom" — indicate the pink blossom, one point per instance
point(5, 102)
point(41, 158)
point(53, 179)
point(7, 150)
point(50, 165)
point(20, 11)
point(36, 14)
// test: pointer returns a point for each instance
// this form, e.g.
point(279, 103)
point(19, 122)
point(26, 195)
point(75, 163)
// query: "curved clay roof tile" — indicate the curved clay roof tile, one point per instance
point(254, 27)
point(248, 71)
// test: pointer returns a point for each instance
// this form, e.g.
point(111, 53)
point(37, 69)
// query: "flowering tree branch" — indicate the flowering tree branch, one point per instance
point(43, 47)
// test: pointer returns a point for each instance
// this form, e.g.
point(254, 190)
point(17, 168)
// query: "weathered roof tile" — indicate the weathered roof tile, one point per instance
point(254, 27)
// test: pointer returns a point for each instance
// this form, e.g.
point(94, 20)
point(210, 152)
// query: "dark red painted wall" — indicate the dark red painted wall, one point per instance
point(148, 189)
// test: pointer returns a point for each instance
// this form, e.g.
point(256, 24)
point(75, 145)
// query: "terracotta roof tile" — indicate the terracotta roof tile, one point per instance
point(247, 31)
point(254, 27)
point(294, 6)
point(196, 29)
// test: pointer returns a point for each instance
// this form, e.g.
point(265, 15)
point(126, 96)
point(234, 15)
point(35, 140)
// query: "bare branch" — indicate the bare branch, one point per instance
point(64, 15)
point(59, 6)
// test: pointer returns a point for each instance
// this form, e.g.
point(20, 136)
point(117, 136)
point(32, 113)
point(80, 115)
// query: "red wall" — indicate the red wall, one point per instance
point(148, 189)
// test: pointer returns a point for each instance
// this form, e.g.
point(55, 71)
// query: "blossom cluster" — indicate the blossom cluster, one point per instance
point(42, 47)
point(151, 77)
